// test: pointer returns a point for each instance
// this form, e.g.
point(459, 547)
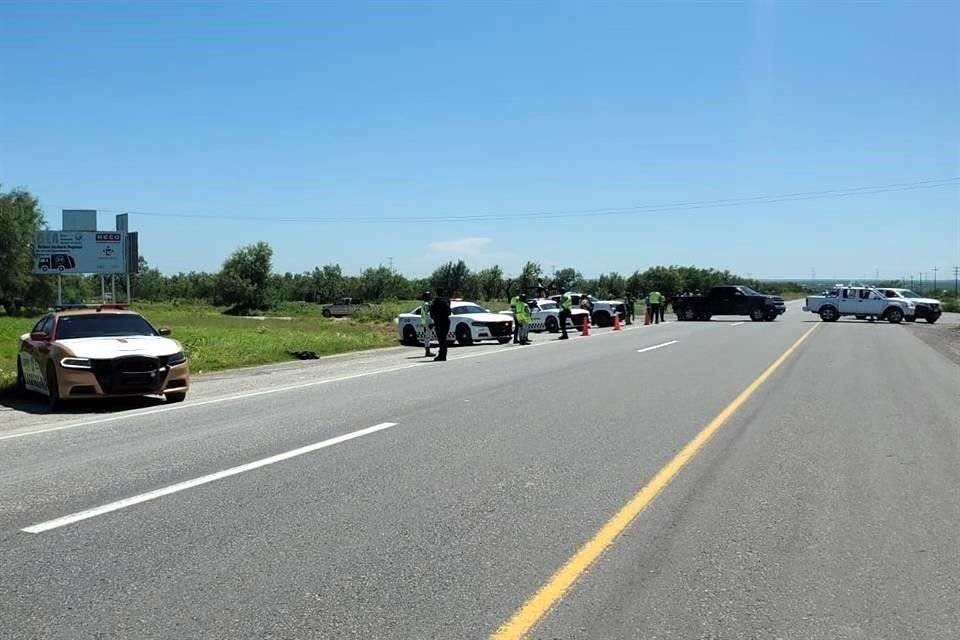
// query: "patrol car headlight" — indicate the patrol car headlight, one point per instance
point(178, 358)
point(76, 363)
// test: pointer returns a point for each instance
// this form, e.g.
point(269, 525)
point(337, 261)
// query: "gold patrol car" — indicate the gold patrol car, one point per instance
point(104, 351)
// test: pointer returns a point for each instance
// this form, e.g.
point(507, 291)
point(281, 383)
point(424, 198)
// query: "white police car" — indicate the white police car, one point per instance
point(469, 323)
point(545, 315)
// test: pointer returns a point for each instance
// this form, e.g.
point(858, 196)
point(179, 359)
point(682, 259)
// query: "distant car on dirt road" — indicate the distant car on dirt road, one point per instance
point(343, 307)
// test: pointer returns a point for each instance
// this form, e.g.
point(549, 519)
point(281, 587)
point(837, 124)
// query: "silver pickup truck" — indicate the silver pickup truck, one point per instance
point(858, 301)
point(343, 307)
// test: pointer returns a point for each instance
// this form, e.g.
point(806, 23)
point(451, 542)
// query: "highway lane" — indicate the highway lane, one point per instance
point(499, 467)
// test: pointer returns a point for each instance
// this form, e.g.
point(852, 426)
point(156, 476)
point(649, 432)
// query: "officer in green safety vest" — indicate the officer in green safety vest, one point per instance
point(566, 304)
point(425, 324)
point(515, 303)
point(656, 306)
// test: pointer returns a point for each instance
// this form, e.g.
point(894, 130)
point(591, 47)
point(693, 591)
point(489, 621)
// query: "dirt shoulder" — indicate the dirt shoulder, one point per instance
point(944, 336)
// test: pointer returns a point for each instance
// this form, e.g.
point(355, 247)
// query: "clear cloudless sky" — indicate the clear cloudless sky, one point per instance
point(425, 109)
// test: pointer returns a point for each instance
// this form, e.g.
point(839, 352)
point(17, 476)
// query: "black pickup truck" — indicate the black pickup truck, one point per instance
point(729, 300)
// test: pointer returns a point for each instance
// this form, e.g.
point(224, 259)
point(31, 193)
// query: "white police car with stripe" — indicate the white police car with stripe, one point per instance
point(469, 323)
point(545, 315)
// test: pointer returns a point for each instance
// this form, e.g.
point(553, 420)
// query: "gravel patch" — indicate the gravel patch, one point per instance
point(944, 336)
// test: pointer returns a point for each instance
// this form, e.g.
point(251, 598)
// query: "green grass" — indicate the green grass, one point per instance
point(214, 341)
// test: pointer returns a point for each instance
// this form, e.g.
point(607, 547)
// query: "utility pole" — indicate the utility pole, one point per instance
point(920, 276)
point(956, 280)
point(935, 269)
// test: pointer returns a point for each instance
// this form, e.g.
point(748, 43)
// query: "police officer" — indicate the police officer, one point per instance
point(566, 304)
point(425, 324)
point(515, 303)
point(521, 319)
point(440, 314)
point(656, 301)
point(628, 308)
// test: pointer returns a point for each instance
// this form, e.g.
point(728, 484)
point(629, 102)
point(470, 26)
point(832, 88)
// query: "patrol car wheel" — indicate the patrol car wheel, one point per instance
point(176, 397)
point(602, 319)
point(828, 314)
point(503, 340)
point(933, 318)
point(552, 324)
point(410, 336)
point(757, 315)
point(53, 388)
point(894, 315)
point(21, 380)
point(464, 337)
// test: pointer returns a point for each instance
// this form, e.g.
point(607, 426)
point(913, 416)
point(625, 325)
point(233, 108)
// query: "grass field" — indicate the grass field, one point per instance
point(214, 341)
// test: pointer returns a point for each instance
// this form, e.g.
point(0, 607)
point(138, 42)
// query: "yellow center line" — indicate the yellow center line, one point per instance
point(534, 609)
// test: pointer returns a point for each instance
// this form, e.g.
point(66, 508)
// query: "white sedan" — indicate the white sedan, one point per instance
point(469, 323)
point(545, 316)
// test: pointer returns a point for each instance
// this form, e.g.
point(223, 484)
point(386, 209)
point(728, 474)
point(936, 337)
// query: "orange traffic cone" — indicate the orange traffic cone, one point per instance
point(585, 329)
point(646, 315)
point(616, 322)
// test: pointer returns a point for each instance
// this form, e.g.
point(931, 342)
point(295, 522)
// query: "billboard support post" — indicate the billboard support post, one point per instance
point(59, 288)
point(129, 301)
point(113, 287)
point(103, 290)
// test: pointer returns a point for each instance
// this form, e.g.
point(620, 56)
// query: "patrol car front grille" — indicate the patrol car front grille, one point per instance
point(130, 374)
point(499, 329)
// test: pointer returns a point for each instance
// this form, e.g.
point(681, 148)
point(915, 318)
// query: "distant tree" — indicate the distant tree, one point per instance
point(381, 283)
point(567, 278)
point(243, 282)
point(328, 284)
point(452, 276)
point(490, 283)
point(20, 219)
point(530, 275)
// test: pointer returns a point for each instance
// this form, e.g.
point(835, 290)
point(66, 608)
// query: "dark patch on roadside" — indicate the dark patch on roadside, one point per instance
point(944, 338)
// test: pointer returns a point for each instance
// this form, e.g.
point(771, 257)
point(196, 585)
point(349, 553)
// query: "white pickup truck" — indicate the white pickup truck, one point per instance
point(860, 302)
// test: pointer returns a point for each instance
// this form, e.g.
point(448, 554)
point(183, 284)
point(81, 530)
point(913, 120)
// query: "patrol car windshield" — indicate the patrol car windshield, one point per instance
point(467, 308)
point(98, 326)
point(906, 293)
point(548, 305)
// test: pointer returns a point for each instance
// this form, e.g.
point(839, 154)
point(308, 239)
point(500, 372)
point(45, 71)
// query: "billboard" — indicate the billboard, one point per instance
point(79, 220)
point(80, 252)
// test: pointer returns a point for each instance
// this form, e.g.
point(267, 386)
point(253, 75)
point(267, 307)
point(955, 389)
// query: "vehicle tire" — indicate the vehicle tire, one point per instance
point(53, 388)
point(410, 336)
point(933, 318)
point(910, 318)
point(861, 317)
point(178, 396)
point(771, 317)
point(326, 313)
point(21, 387)
point(686, 313)
point(602, 319)
point(503, 340)
point(552, 324)
point(757, 315)
point(829, 314)
point(464, 336)
point(894, 315)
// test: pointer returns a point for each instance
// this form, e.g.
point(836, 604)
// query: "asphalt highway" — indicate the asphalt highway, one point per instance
point(714, 480)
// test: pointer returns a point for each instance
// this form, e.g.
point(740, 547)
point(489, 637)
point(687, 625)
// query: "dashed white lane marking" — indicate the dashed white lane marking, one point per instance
point(658, 346)
point(196, 482)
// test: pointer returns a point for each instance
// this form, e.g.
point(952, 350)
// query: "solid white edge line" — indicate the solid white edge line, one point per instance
point(189, 484)
point(303, 385)
point(658, 346)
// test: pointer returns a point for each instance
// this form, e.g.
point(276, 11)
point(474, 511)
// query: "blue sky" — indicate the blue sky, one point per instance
point(442, 109)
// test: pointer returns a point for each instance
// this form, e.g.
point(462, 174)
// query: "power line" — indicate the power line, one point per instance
point(578, 213)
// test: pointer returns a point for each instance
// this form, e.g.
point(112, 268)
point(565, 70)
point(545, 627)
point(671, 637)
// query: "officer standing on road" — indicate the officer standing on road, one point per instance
point(628, 308)
point(440, 314)
point(515, 303)
point(566, 304)
point(522, 318)
point(655, 299)
point(425, 324)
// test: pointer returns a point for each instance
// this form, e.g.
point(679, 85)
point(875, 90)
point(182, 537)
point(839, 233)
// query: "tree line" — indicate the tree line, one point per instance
point(247, 281)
